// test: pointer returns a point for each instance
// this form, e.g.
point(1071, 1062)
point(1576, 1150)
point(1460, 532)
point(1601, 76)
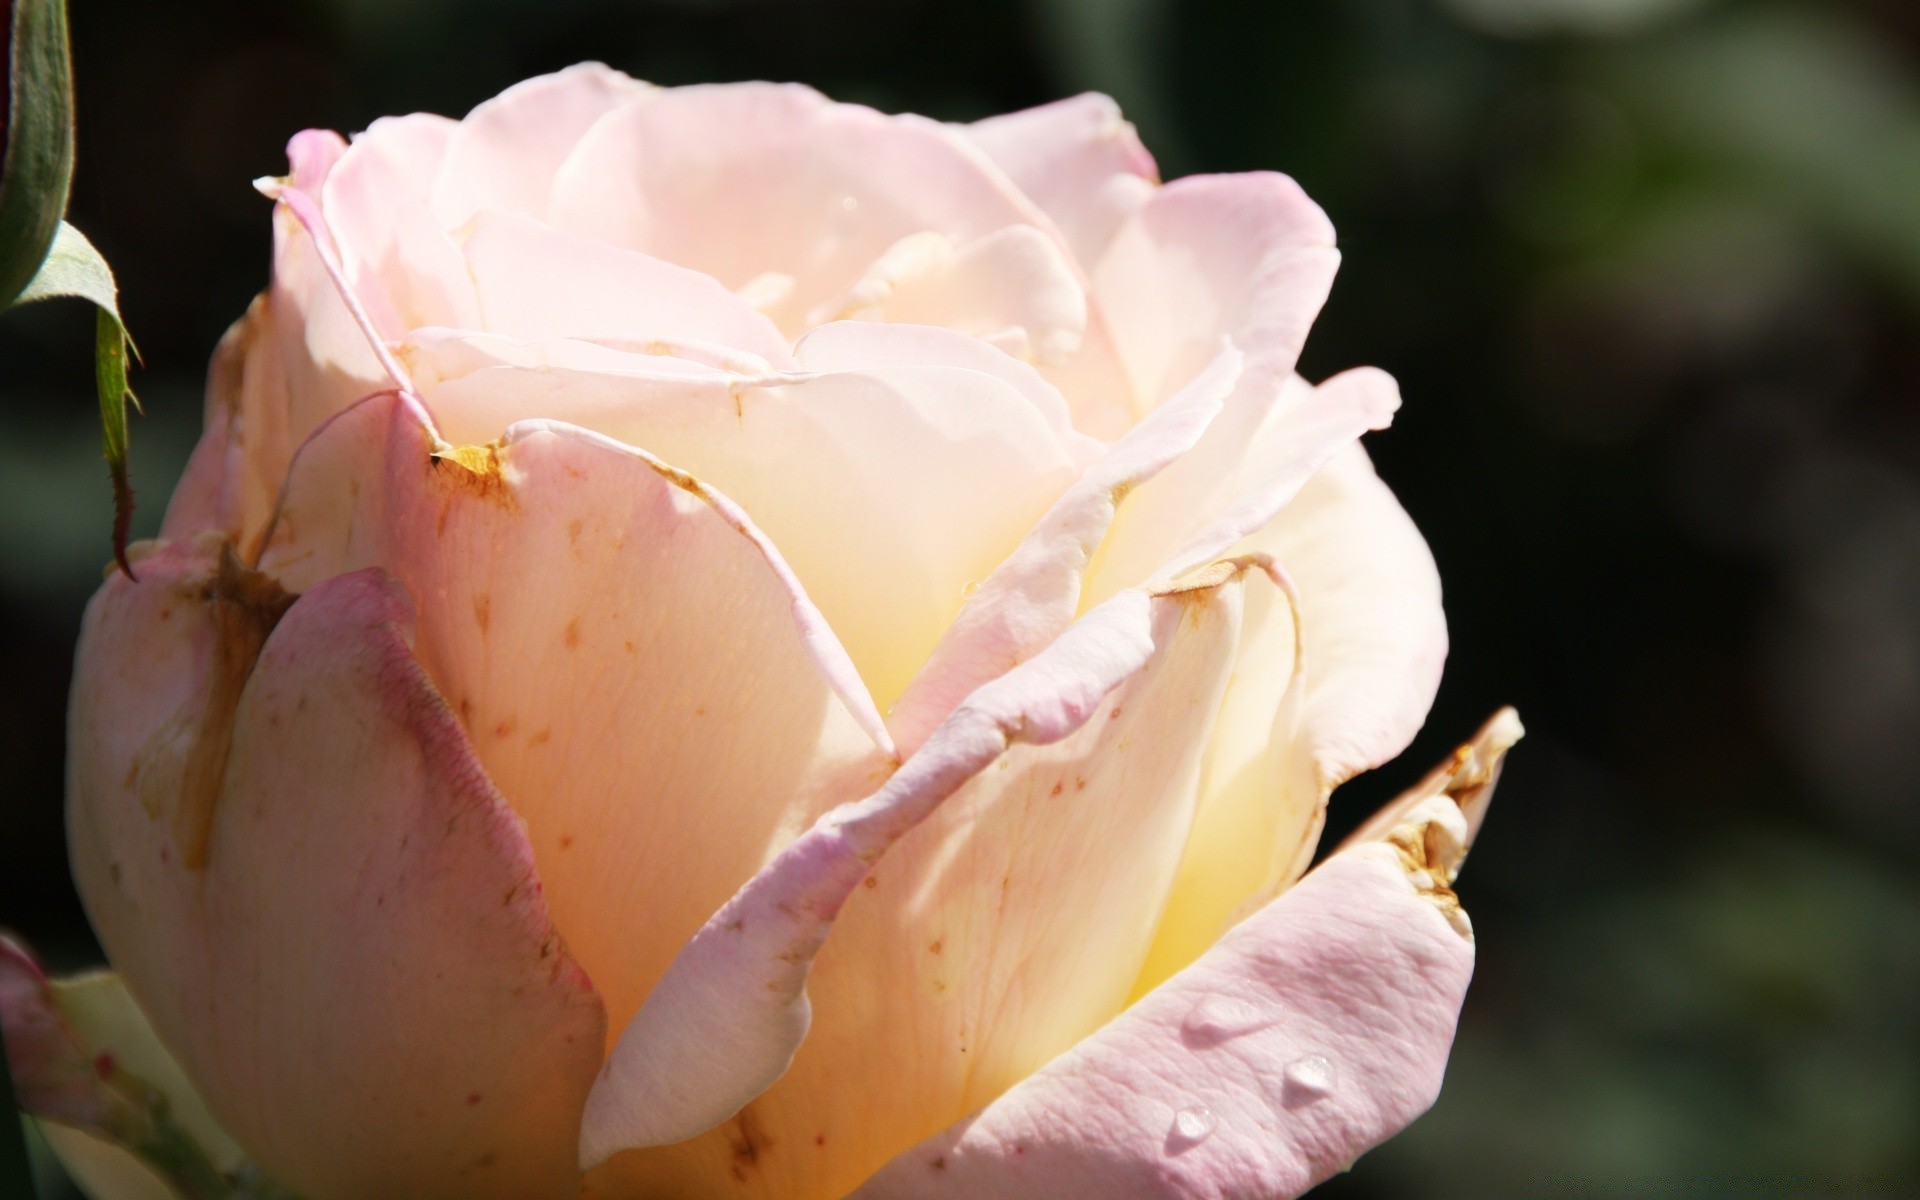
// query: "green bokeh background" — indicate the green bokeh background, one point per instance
point(1649, 274)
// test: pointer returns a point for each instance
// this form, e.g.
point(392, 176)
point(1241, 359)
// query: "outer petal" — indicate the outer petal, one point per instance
point(505, 154)
point(321, 902)
point(231, 481)
point(1079, 159)
point(998, 932)
point(740, 180)
point(1313, 1031)
point(639, 672)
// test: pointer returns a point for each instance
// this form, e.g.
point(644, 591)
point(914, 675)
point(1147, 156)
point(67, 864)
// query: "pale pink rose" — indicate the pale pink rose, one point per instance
point(758, 648)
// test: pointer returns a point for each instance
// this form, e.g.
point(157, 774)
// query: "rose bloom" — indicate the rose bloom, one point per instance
point(721, 644)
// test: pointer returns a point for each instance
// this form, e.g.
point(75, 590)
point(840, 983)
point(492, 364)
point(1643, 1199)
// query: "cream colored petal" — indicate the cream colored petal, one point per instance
point(637, 673)
point(1004, 925)
point(1374, 637)
point(890, 490)
point(1015, 288)
point(1032, 596)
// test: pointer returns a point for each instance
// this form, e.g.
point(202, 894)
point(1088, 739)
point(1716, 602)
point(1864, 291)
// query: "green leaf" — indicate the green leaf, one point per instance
point(39, 162)
point(73, 267)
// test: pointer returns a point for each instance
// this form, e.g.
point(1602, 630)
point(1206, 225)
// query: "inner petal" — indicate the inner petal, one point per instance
point(889, 489)
point(742, 180)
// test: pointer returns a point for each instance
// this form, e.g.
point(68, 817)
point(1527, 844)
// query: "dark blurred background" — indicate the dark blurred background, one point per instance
point(1649, 274)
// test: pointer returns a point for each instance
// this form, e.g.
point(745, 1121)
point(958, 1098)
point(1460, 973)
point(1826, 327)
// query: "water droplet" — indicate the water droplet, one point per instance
point(1193, 1124)
point(1309, 1079)
point(1216, 1019)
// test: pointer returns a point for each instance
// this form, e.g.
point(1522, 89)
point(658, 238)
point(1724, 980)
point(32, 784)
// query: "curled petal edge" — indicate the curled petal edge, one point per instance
point(725, 1021)
point(1316, 1029)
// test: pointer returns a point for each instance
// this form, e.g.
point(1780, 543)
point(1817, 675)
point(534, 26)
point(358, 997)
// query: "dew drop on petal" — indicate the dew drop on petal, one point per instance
point(1309, 1079)
point(1194, 1124)
point(1218, 1018)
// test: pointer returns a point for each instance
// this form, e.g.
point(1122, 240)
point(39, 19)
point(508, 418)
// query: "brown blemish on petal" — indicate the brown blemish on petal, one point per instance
point(474, 471)
point(483, 610)
point(748, 1140)
point(241, 606)
point(572, 634)
point(541, 738)
point(1432, 843)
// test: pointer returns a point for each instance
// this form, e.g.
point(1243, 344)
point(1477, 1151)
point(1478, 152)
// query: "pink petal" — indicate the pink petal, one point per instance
point(1079, 160)
point(1312, 1032)
point(638, 669)
point(232, 479)
point(401, 261)
point(330, 354)
point(738, 180)
point(328, 912)
point(1245, 256)
point(535, 283)
point(504, 155)
point(1040, 955)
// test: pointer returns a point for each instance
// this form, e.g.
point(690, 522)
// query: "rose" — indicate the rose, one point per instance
point(657, 553)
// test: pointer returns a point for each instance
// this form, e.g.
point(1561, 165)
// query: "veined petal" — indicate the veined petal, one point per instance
point(1036, 830)
point(411, 1026)
point(1078, 159)
point(739, 180)
point(1313, 1031)
point(504, 155)
point(639, 671)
